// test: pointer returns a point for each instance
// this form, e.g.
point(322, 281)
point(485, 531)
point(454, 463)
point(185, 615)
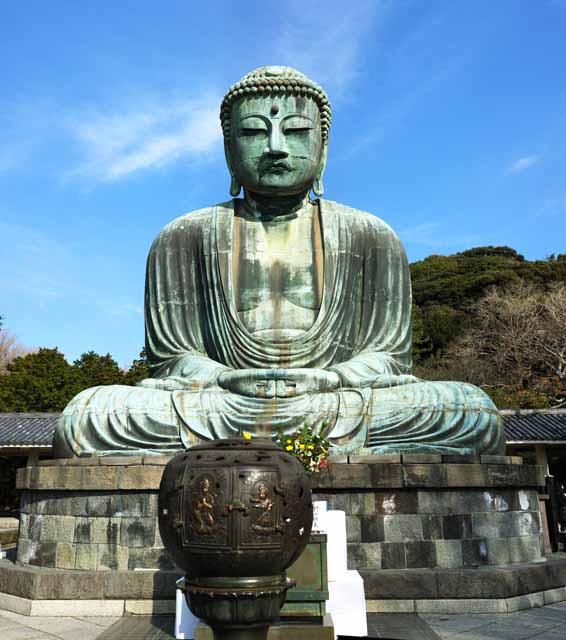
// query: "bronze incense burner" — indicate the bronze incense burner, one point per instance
point(234, 515)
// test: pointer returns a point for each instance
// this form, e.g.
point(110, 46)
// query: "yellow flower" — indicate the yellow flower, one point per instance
point(247, 435)
point(289, 448)
point(310, 446)
point(302, 446)
point(289, 441)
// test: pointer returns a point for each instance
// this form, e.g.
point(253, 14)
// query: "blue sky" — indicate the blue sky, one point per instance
point(449, 123)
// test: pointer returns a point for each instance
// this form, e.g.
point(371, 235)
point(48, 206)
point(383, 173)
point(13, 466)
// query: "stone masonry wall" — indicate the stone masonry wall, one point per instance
point(446, 529)
point(419, 511)
point(402, 512)
point(91, 531)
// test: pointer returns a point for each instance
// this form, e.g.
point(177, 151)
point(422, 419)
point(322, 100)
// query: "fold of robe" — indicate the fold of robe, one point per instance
point(362, 332)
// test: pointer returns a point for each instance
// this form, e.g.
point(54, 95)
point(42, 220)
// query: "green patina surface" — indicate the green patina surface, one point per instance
point(277, 308)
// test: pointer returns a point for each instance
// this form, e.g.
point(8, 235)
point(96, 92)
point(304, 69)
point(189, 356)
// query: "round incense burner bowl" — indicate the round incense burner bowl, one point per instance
point(234, 515)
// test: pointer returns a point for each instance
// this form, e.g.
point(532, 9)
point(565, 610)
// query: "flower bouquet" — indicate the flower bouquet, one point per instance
point(309, 448)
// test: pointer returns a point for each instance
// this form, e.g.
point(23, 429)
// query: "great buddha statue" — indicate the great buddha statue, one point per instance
point(279, 308)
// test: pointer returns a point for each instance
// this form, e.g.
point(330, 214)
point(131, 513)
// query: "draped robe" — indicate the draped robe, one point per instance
point(362, 332)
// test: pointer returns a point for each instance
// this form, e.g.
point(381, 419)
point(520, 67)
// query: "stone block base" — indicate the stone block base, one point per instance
point(483, 590)
point(38, 583)
point(415, 512)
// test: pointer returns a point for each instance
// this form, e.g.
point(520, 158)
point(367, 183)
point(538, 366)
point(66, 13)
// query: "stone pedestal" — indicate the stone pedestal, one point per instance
point(422, 531)
point(92, 514)
point(420, 512)
point(416, 523)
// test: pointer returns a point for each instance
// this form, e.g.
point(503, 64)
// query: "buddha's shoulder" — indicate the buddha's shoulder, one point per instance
point(192, 222)
point(358, 219)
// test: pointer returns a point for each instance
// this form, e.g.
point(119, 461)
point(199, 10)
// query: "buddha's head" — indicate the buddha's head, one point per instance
point(276, 122)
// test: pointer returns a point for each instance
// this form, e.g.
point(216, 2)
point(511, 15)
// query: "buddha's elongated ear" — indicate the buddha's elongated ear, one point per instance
point(318, 186)
point(235, 186)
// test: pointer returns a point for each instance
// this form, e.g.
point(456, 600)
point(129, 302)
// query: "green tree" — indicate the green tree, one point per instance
point(422, 344)
point(138, 371)
point(41, 381)
point(95, 370)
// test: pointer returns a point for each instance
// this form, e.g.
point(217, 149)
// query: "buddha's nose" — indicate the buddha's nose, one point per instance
point(277, 145)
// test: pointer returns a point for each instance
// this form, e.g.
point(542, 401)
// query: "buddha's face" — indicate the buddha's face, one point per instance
point(275, 143)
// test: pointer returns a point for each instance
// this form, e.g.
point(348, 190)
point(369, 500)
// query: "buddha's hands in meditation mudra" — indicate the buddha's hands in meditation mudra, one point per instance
point(278, 383)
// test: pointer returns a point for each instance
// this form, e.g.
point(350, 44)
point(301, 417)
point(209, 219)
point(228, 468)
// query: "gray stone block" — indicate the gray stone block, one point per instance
point(456, 527)
point(401, 528)
point(393, 458)
point(432, 526)
point(489, 459)
point(353, 529)
point(424, 475)
point(86, 557)
point(466, 475)
point(149, 558)
point(389, 503)
point(106, 530)
point(361, 504)
point(65, 555)
point(474, 552)
point(62, 503)
point(500, 500)
point(34, 526)
point(364, 554)
point(513, 475)
point(112, 556)
point(336, 501)
point(393, 555)
point(102, 505)
point(372, 528)
point(344, 476)
point(28, 550)
point(137, 532)
point(449, 554)
point(505, 525)
point(454, 459)
point(509, 550)
point(132, 505)
point(45, 555)
point(57, 528)
point(421, 554)
point(401, 584)
point(84, 530)
point(421, 458)
point(528, 500)
point(386, 476)
point(458, 501)
point(527, 523)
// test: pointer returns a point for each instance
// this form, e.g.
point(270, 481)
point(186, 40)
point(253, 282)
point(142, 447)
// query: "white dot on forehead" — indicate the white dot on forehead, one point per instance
point(274, 109)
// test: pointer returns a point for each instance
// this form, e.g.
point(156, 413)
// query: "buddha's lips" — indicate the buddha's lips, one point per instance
point(277, 167)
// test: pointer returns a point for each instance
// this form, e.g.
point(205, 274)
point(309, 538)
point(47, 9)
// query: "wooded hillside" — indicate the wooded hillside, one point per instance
point(513, 303)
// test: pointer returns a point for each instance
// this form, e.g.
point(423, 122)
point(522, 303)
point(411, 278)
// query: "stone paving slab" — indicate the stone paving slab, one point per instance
point(14, 626)
point(399, 626)
point(545, 623)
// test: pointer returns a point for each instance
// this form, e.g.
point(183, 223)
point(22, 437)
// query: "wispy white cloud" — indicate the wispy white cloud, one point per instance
point(324, 39)
point(522, 164)
point(119, 144)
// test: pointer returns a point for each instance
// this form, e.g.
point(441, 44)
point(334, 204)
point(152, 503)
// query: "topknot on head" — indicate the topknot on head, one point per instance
point(273, 81)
